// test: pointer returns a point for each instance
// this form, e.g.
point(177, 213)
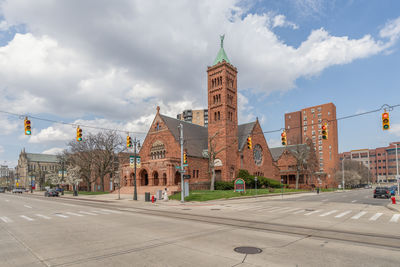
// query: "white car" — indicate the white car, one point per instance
point(17, 190)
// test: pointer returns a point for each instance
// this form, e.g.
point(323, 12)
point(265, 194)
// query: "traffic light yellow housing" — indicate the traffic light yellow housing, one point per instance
point(385, 121)
point(184, 158)
point(325, 131)
point(249, 144)
point(128, 141)
point(78, 134)
point(283, 137)
point(27, 125)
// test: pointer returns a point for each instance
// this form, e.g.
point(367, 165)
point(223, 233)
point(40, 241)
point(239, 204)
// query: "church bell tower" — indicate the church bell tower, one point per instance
point(222, 114)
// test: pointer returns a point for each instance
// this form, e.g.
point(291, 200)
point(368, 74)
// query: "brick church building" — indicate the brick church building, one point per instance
point(160, 152)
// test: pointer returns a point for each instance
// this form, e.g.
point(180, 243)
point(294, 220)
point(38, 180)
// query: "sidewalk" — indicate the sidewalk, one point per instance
point(394, 207)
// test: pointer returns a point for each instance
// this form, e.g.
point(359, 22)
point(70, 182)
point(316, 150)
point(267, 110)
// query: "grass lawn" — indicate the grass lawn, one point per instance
point(87, 193)
point(204, 195)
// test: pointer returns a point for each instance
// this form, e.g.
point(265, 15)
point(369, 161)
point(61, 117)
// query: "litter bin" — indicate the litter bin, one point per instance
point(147, 196)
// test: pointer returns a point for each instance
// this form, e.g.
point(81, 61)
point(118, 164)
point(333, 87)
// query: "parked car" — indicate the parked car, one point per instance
point(2, 190)
point(51, 193)
point(17, 190)
point(382, 192)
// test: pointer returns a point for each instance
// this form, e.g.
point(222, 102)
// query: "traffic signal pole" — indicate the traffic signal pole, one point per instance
point(134, 174)
point(181, 170)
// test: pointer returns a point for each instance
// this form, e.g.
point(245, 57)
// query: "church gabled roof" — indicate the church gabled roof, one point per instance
point(244, 130)
point(277, 152)
point(221, 56)
point(195, 136)
point(36, 157)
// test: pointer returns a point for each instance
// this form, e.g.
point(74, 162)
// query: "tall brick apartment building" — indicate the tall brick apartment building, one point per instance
point(307, 123)
point(160, 153)
point(381, 161)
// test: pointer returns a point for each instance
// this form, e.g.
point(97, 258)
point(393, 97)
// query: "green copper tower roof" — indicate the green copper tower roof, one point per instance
point(221, 53)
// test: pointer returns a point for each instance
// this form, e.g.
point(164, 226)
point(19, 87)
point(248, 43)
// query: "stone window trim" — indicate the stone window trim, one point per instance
point(157, 150)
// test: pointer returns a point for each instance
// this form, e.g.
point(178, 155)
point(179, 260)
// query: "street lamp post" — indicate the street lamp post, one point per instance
point(343, 173)
point(397, 171)
point(135, 143)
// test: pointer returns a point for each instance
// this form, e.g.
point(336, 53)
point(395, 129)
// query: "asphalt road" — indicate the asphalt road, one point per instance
point(360, 196)
point(37, 231)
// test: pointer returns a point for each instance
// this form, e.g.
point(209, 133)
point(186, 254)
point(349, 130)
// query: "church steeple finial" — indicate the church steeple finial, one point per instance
point(221, 56)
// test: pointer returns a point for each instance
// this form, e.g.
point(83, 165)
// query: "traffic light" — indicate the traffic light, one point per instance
point(184, 158)
point(283, 137)
point(27, 124)
point(325, 131)
point(385, 121)
point(128, 141)
point(78, 134)
point(249, 145)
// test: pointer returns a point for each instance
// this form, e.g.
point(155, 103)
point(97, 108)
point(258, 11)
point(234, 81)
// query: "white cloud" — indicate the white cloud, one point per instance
point(7, 126)
point(274, 143)
point(395, 129)
point(1, 149)
point(391, 30)
point(53, 151)
point(280, 21)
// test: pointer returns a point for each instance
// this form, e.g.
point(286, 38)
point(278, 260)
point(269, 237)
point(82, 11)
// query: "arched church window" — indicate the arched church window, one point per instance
point(219, 117)
point(215, 116)
point(157, 150)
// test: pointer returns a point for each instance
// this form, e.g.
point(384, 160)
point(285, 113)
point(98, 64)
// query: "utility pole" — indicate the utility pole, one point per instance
point(397, 171)
point(181, 171)
point(135, 142)
point(343, 173)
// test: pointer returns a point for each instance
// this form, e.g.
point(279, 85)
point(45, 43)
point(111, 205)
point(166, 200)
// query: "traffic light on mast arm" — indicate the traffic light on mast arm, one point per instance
point(385, 121)
point(284, 140)
point(128, 141)
point(78, 134)
point(184, 158)
point(325, 131)
point(249, 145)
point(27, 125)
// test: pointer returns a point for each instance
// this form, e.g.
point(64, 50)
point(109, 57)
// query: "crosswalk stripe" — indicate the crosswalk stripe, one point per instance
point(312, 212)
point(274, 209)
point(7, 200)
point(27, 206)
point(289, 210)
point(112, 211)
point(395, 218)
point(26, 218)
point(343, 214)
point(376, 216)
point(281, 210)
point(62, 216)
point(75, 214)
point(6, 219)
point(299, 211)
point(359, 215)
point(328, 213)
point(87, 213)
point(100, 211)
point(43, 216)
point(354, 201)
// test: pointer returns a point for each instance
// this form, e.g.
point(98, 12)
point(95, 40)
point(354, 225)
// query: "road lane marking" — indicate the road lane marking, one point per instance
point(6, 219)
point(75, 214)
point(395, 218)
point(324, 200)
point(359, 215)
point(328, 213)
point(7, 200)
point(299, 211)
point(26, 218)
point(29, 207)
point(343, 214)
point(87, 213)
point(376, 216)
point(112, 211)
point(354, 201)
point(60, 215)
point(312, 212)
point(289, 210)
point(72, 205)
point(274, 209)
point(281, 209)
point(100, 211)
point(43, 216)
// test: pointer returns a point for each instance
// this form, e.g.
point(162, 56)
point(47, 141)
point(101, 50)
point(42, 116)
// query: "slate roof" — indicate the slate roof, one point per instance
point(276, 152)
point(196, 136)
point(36, 157)
point(244, 130)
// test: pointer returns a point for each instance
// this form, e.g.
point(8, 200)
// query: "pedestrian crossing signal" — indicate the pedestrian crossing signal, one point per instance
point(249, 144)
point(27, 125)
point(385, 121)
point(325, 131)
point(78, 134)
point(283, 137)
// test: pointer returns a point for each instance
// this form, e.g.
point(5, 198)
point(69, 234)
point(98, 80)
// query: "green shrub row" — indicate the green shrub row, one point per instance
point(250, 182)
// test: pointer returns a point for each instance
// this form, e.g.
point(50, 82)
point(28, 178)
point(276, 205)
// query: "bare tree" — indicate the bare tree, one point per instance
point(73, 176)
point(351, 177)
point(312, 161)
point(212, 155)
point(55, 178)
point(306, 161)
point(355, 173)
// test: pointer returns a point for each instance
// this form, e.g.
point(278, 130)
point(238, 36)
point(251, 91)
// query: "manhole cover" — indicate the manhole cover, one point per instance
point(248, 250)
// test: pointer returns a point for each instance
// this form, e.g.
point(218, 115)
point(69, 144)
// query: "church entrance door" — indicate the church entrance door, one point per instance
point(218, 175)
point(144, 178)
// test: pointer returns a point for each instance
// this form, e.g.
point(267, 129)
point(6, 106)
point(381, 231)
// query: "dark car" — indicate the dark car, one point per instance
point(51, 193)
point(2, 190)
point(382, 192)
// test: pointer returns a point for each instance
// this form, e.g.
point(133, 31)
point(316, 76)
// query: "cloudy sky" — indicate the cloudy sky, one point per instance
point(111, 63)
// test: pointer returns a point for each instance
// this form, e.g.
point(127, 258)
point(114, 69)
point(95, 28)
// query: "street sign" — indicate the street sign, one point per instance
point(177, 167)
point(240, 185)
point(185, 165)
point(186, 176)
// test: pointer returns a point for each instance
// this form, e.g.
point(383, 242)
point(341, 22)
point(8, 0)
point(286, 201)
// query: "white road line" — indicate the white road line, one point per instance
point(112, 211)
point(27, 206)
point(359, 215)
point(100, 211)
point(343, 214)
point(87, 213)
point(289, 210)
point(312, 212)
point(328, 213)
point(354, 201)
point(75, 214)
point(274, 209)
point(395, 218)
point(376, 216)
point(6, 219)
point(299, 211)
point(72, 205)
point(281, 210)
point(366, 197)
point(60, 215)
point(7, 200)
point(26, 218)
point(43, 216)
point(324, 200)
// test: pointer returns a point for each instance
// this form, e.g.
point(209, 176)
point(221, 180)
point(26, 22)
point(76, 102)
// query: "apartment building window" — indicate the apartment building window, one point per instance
point(312, 110)
point(320, 142)
point(321, 159)
point(305, 128)
point(312, 122)
point(289, 117)
point(319, 109)
point(288, 127)
point(319, 126)
point(305, 123)
point(313, 137)
point(305, 118)
point(319, 120)
point(313, 132)
point(320, 148)
point(312, 127)
point(329, 113)
point(319, 137)
point(320, 154)
point(321, 164)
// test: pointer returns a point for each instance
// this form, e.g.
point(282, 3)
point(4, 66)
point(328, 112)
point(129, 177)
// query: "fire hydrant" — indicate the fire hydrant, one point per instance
point(393, 200)
point(152, 199)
